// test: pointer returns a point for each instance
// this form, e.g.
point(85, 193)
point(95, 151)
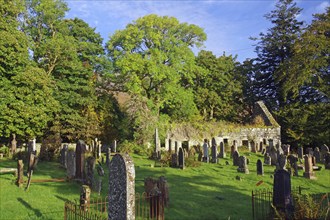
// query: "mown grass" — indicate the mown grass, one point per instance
point(209, 191)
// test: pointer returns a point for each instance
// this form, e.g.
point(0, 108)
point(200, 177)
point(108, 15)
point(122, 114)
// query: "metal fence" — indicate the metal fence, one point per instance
point(146, 207)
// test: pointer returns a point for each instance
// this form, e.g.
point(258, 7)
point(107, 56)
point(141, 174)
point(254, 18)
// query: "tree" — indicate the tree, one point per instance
point(274, 48)
point(217, 91)
point(26, 102)
point(69, 51)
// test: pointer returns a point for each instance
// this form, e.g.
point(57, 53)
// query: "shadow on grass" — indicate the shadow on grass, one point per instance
point(37, 212)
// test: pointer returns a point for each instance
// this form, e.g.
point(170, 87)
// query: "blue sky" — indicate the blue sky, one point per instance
point(227, 23)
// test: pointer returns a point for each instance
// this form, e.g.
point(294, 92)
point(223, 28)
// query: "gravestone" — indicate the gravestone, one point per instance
point(309, 173)
point(107, 156)
point(324, 150)
point(232, 150)
point(253, 147)
point(181, 158)
point(90, 161)
point(63, 155)
point(309, 151)
point(261, 146)
point(20, 174)
point(85, 197)
point(174, 160)
point(327, 161)
point(286, 149)
point(114, 146)
point(267, 159)
point(70, 164)
point(317, 155)
point(236, 158)
point(282, 199)
point(260, 168)
point(242, 165)
point(263, 151)
point(80, 159)
point(13, 144)
point(213, 142)
point(157, 142)
point(300, 152)
point(222, 153)
point(121, 188)
point(273, 155)
point(205, 151)
point(281, 162)
point(214, 154)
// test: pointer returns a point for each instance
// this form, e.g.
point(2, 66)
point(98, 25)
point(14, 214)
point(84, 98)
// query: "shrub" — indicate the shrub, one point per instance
point(307, 207)
point(4, 150)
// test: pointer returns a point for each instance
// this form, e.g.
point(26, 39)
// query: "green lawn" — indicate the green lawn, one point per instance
point(209, 191)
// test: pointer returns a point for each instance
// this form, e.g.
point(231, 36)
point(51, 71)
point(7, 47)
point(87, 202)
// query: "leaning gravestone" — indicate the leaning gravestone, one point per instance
point(235, 158)
point(80, 159)
point(260, 168)
point(70, 165)
point(121, 188)
point(309, 173)
point(222, 153)
point(282, 199)
point(242, 165)
point(181, 158)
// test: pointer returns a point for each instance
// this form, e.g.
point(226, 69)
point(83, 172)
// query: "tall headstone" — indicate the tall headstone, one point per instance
point(317, 155)
point(242, 165)
point(181, 158)
point(71, 164)
point(121, 188)
point(236, 158)
point(205, 151)
point(260, 168)
point(214, 154)
point(300, 152)
point(13, 144)
point(282, 199)
point(309, 173)
point(80, 159)
point(267, 159)
point(327, 161)
point(20, 174)
point(222, 150)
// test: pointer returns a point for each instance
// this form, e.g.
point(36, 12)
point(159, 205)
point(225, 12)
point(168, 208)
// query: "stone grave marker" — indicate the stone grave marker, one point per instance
point(214, 154)
point(85, 197)
point(236, 158)
point(286, 149)
point(242, 165)
point(222, 153)
point(71, 164)
point(309, 173)
point(261, 147)
point(107, 156)
point(317, 155)
point(121, 188)
point(253, 147)
point(205, 151)
point(90, 161)
point(114, 146)
point(260, 168)
point(63, 155)
point(282, 199)
point(267, 159)
point(327, 161)
point(174, 160)
point(181, 158)
point(273, 155)
point(80, 159)
point(300, 152)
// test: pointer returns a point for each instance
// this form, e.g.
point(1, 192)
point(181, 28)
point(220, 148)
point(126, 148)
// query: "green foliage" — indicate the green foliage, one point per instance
point(307, 207)
point(131, 147)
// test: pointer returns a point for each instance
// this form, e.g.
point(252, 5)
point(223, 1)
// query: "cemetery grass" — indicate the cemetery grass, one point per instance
point(209, 191)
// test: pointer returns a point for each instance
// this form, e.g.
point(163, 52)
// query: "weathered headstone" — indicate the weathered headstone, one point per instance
point(90, 161)
point(270, 143)
point(317, 155)
point(205, 151)
point(181, 158)
point(236, 158)
point(222, 153)
point(13, 144)
point(260, 168)
point(267, 159)
point(121, 188)
point(174, 160)
point(213, 142)
point(253, 147)
point(324, 150)
point(232, 150)
point(70, 164)
point(214, 154)
point(281, 162)
point(282, 199)
point(261, 146)
point(300, 152)
point(80, 159)
point(286, 149)
point(107, 156)
point(63, 155)
point(85, 197)
point(309, 173)
point(242, 165)
point(327, 161)
point(273, 155)
point(20, 174)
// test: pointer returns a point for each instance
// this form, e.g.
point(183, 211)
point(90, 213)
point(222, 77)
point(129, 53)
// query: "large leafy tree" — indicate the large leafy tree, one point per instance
point(273, 48)
point(153, 62)
point(68, 50)
point(26, 102)
point(217, 90)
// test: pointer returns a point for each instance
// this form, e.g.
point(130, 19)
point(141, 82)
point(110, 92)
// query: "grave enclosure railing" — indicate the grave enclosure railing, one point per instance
point(146, 207)
point(262, 202)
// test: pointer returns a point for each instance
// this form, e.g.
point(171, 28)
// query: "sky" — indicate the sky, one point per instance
point(228, 23)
